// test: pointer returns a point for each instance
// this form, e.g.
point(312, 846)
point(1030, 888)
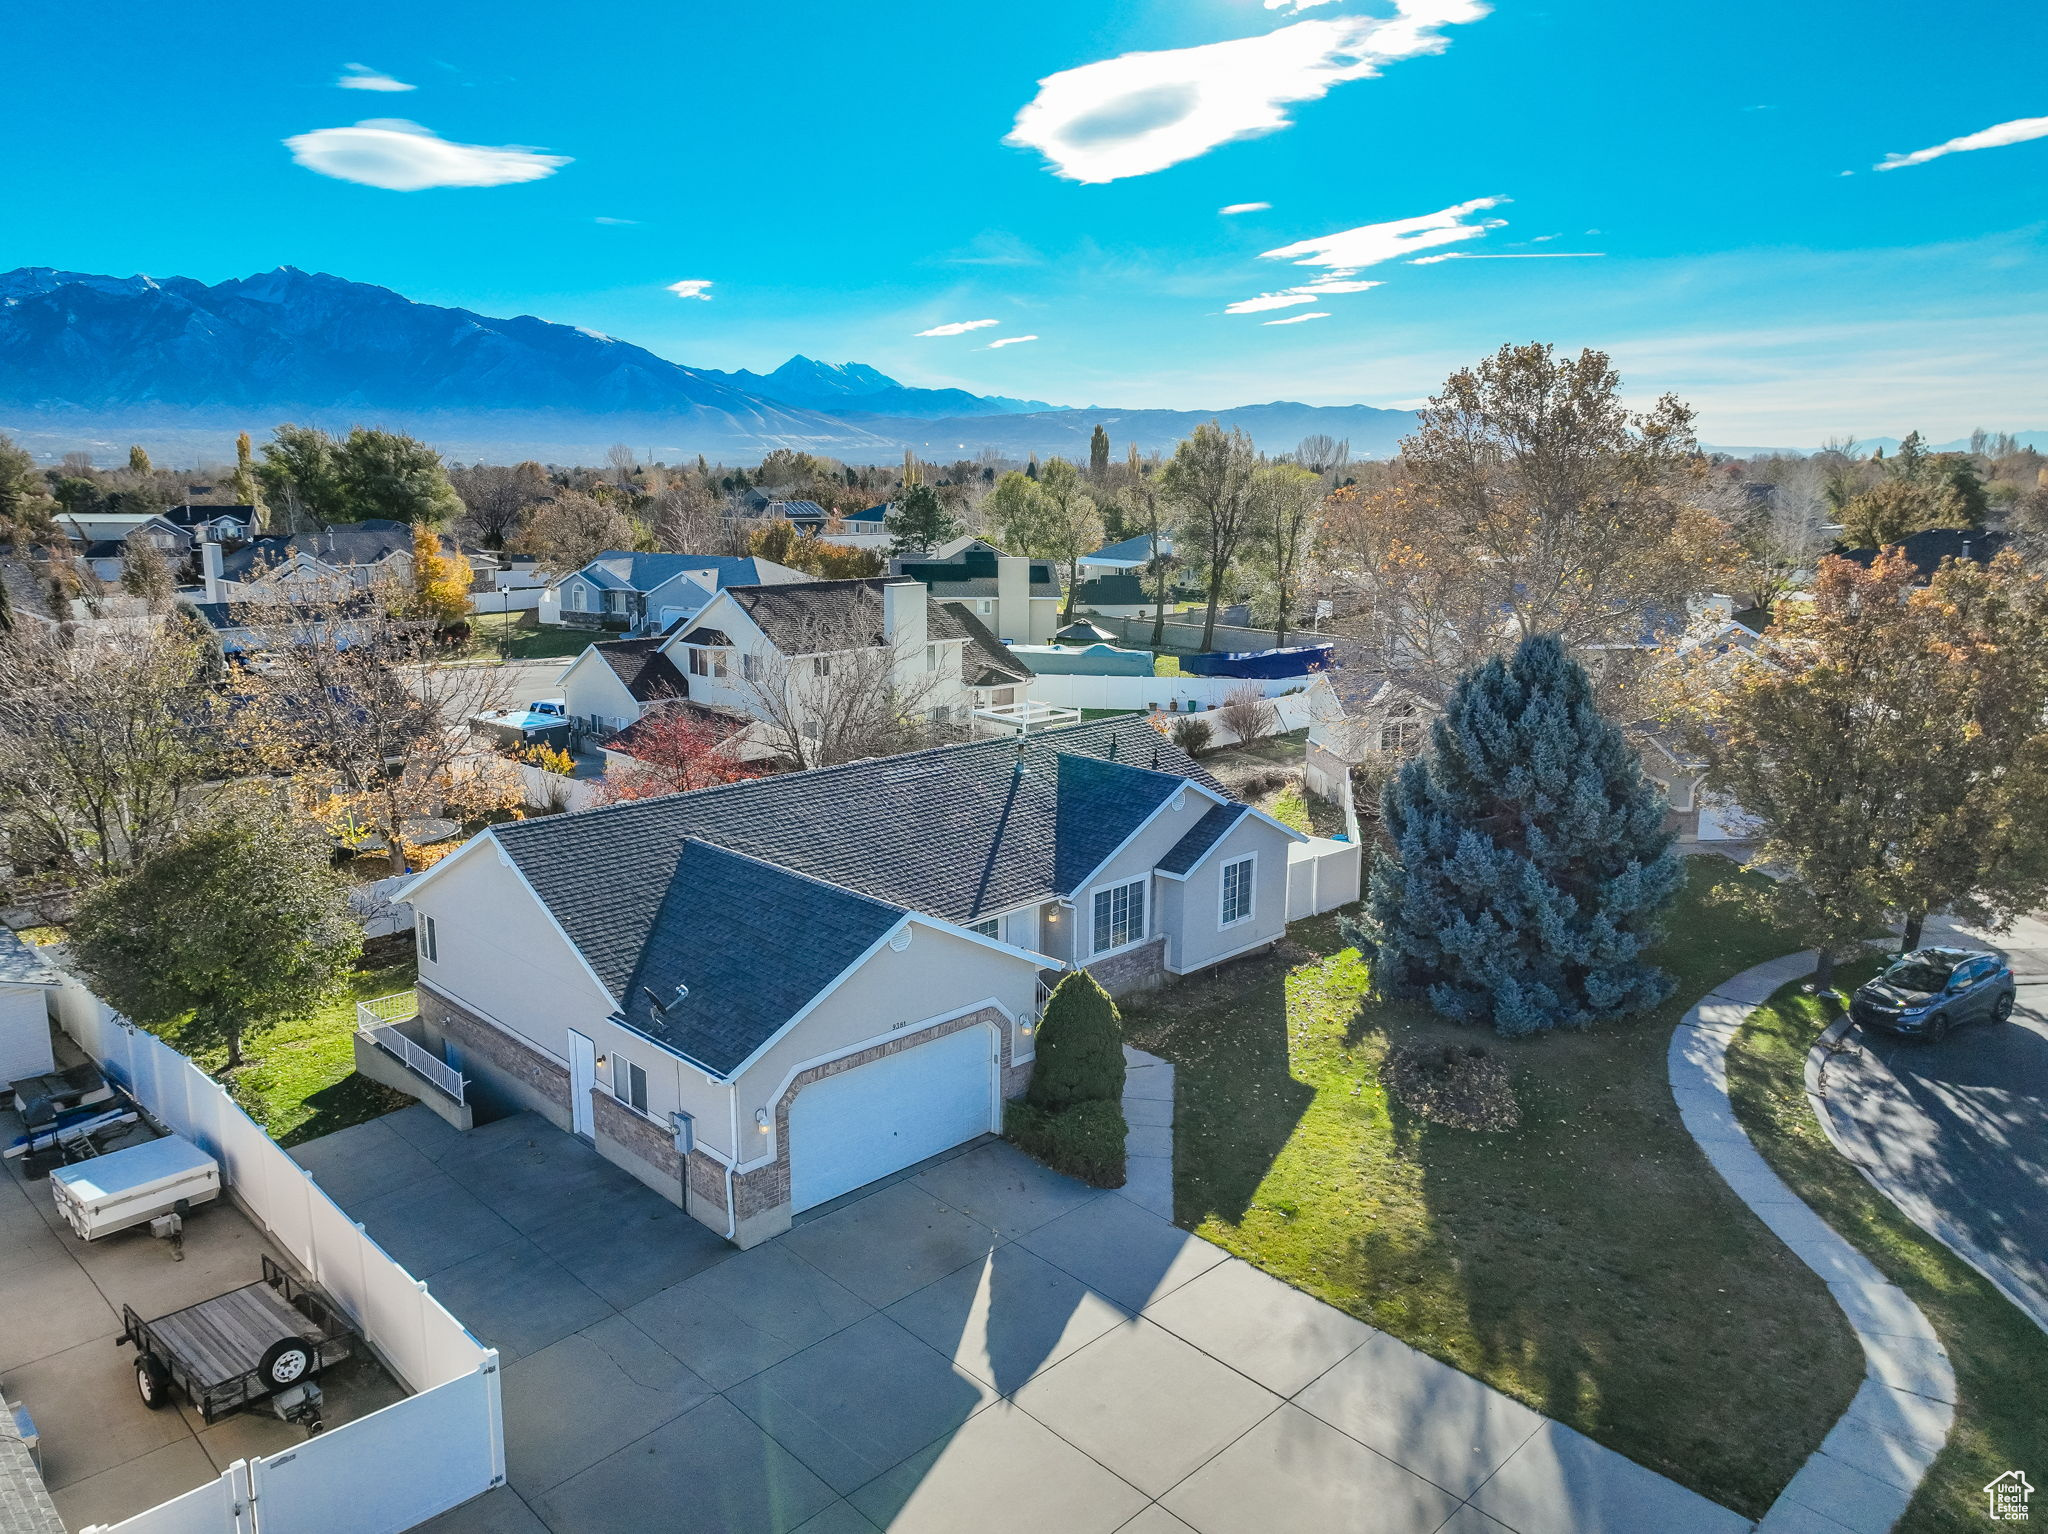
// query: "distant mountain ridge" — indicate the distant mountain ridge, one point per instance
point(93, 362)
point(843, 386)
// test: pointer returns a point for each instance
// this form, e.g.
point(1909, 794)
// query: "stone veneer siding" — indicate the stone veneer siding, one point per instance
point(509, 1055)
point(1138, 969)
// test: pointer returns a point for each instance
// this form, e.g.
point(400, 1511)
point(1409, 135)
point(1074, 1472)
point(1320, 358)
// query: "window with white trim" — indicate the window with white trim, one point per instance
point(993, 927)
point(707, 662)
point(430, 940)
point(750, 665)
point(629, 1083)
point(931, 657)
point(1119, 913)
point(1237, 891)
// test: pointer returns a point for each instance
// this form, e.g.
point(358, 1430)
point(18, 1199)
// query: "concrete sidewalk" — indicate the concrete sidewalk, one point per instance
point(980, 1344)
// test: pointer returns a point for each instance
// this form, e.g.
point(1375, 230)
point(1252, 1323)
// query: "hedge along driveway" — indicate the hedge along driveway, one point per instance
point(1588, 1262)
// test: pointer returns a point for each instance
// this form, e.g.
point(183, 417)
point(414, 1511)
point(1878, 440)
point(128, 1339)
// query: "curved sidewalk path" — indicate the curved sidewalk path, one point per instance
point(1865, 1471)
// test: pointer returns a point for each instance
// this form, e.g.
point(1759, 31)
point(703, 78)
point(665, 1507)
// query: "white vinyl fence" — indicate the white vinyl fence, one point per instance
point(379, 1474)
point(1322, 874)
point(517, 600)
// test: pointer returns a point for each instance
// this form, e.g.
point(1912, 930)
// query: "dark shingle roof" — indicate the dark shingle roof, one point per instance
point(721, 913)
point(647, 673)
point(987, 661)
point(348, 543)
point(796, 618)
point(954, 832)
point(717, 638)
point(1927, 549)
point(1206, 833)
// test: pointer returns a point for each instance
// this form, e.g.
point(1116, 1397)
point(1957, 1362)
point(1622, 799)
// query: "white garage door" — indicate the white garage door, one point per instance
point(849, 1129)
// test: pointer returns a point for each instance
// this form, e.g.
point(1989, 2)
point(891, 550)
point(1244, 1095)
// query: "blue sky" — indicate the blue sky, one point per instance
point(847, 176)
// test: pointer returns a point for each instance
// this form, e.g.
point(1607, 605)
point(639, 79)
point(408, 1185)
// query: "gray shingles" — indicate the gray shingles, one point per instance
point(987, 661)
point(645, 671)
point(952, 832)
point(721, 913)
point(1203, 835)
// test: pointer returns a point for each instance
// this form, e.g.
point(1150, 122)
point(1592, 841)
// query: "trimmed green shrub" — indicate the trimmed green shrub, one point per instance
point(1084, 1141)
point(1080, 1047)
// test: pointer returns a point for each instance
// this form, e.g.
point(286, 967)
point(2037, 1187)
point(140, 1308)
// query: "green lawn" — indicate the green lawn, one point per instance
point(1589, 1262)
point(300, 1081)
point(2000, 1357)
point(498, 636)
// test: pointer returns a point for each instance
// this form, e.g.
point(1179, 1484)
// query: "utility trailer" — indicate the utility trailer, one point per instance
point(260, 1344)
point(134, 1186)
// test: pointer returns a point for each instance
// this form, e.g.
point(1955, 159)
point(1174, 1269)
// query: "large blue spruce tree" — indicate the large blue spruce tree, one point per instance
point(1529, 860)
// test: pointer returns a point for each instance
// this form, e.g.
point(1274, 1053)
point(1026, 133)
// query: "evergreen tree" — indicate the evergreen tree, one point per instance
point(920, 521)
point(1098, 455)
point(1080, 1047)
point(1529, 861)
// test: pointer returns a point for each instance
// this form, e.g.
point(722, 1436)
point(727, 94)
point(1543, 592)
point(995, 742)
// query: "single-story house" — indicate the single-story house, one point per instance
point(760, 996)
point(610, 685)
point(1017, 597)
point(651, 593)
point(26, 980)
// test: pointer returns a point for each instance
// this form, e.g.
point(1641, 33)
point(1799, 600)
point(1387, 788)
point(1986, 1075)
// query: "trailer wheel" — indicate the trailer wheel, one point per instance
point(152, 1382)
point(285, 1362)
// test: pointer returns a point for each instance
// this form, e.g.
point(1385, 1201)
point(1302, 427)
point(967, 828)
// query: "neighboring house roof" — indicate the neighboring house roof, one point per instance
point(795, 617)
point(1928, 549)
point(1113, 591)
point(624, 570)
point(798, 511)
point(1206, 833)
point(625, 742)
point(720, 912)
point(645, 671)
point(22, 963)
point(345, 544)
point(717, 637)
point(987, 661)
point(1129, 553)
point(970, 570)
point(875, 514)
point(954, 832)
point(199, 516)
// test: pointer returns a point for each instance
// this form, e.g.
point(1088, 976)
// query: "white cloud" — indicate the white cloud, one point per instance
point(1141, 112)
point(1307, 293)
point(361, 77)
point(1370, 244)
point(402, 156)
point(1293, 5)
point(603, 220)
point(1506, 255)
point(1009, 341)
point(1244, 207)
point(2018, 131)
point(690, 287)
point(958, 327)
point(1296, 319)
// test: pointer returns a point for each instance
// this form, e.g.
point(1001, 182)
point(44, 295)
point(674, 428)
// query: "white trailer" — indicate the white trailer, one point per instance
point(131, 1187)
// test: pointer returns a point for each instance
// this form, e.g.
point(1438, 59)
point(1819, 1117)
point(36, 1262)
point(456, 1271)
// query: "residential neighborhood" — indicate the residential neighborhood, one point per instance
point(1132, 916)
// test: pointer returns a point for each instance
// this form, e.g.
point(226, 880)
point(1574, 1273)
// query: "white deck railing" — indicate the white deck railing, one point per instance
point(376, 1021)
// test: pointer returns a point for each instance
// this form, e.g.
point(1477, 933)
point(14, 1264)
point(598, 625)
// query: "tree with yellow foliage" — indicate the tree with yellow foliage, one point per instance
point(440, 579)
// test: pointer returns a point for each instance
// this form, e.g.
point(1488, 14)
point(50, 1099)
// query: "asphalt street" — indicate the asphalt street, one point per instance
point(1957, 1131)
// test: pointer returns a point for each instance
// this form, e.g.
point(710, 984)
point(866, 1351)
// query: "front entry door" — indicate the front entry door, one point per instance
point(582, 1077)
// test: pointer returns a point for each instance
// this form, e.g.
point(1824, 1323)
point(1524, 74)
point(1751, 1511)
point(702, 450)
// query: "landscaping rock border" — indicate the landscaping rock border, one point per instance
point(1865, 1472)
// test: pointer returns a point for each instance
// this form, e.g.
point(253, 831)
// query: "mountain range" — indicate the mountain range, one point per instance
point(93, 363)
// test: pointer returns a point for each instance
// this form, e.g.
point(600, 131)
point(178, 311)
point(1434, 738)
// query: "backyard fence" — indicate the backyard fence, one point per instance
point(1186, 693)
point(1322, 874)
point(380, 1474)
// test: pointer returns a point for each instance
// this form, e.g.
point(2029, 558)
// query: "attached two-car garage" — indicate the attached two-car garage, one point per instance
point(848, 1129)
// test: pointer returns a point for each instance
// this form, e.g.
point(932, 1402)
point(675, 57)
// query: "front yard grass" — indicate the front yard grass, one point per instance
point(2000, 1357)
point(1588, 1262)
point(499, 636)
point(300, 1081)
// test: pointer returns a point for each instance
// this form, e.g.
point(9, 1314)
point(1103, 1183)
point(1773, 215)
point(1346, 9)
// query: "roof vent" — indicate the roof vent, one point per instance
point(901, 939)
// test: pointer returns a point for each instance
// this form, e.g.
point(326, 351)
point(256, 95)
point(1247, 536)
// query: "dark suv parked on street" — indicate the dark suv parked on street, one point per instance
point(1930, 991)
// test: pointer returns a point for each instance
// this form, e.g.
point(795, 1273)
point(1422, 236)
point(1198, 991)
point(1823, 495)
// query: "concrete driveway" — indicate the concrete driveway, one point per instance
point(978, 1344)
point(1957, 1132)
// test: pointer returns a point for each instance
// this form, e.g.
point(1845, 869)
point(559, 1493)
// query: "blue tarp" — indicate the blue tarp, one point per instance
point(1295, 660)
